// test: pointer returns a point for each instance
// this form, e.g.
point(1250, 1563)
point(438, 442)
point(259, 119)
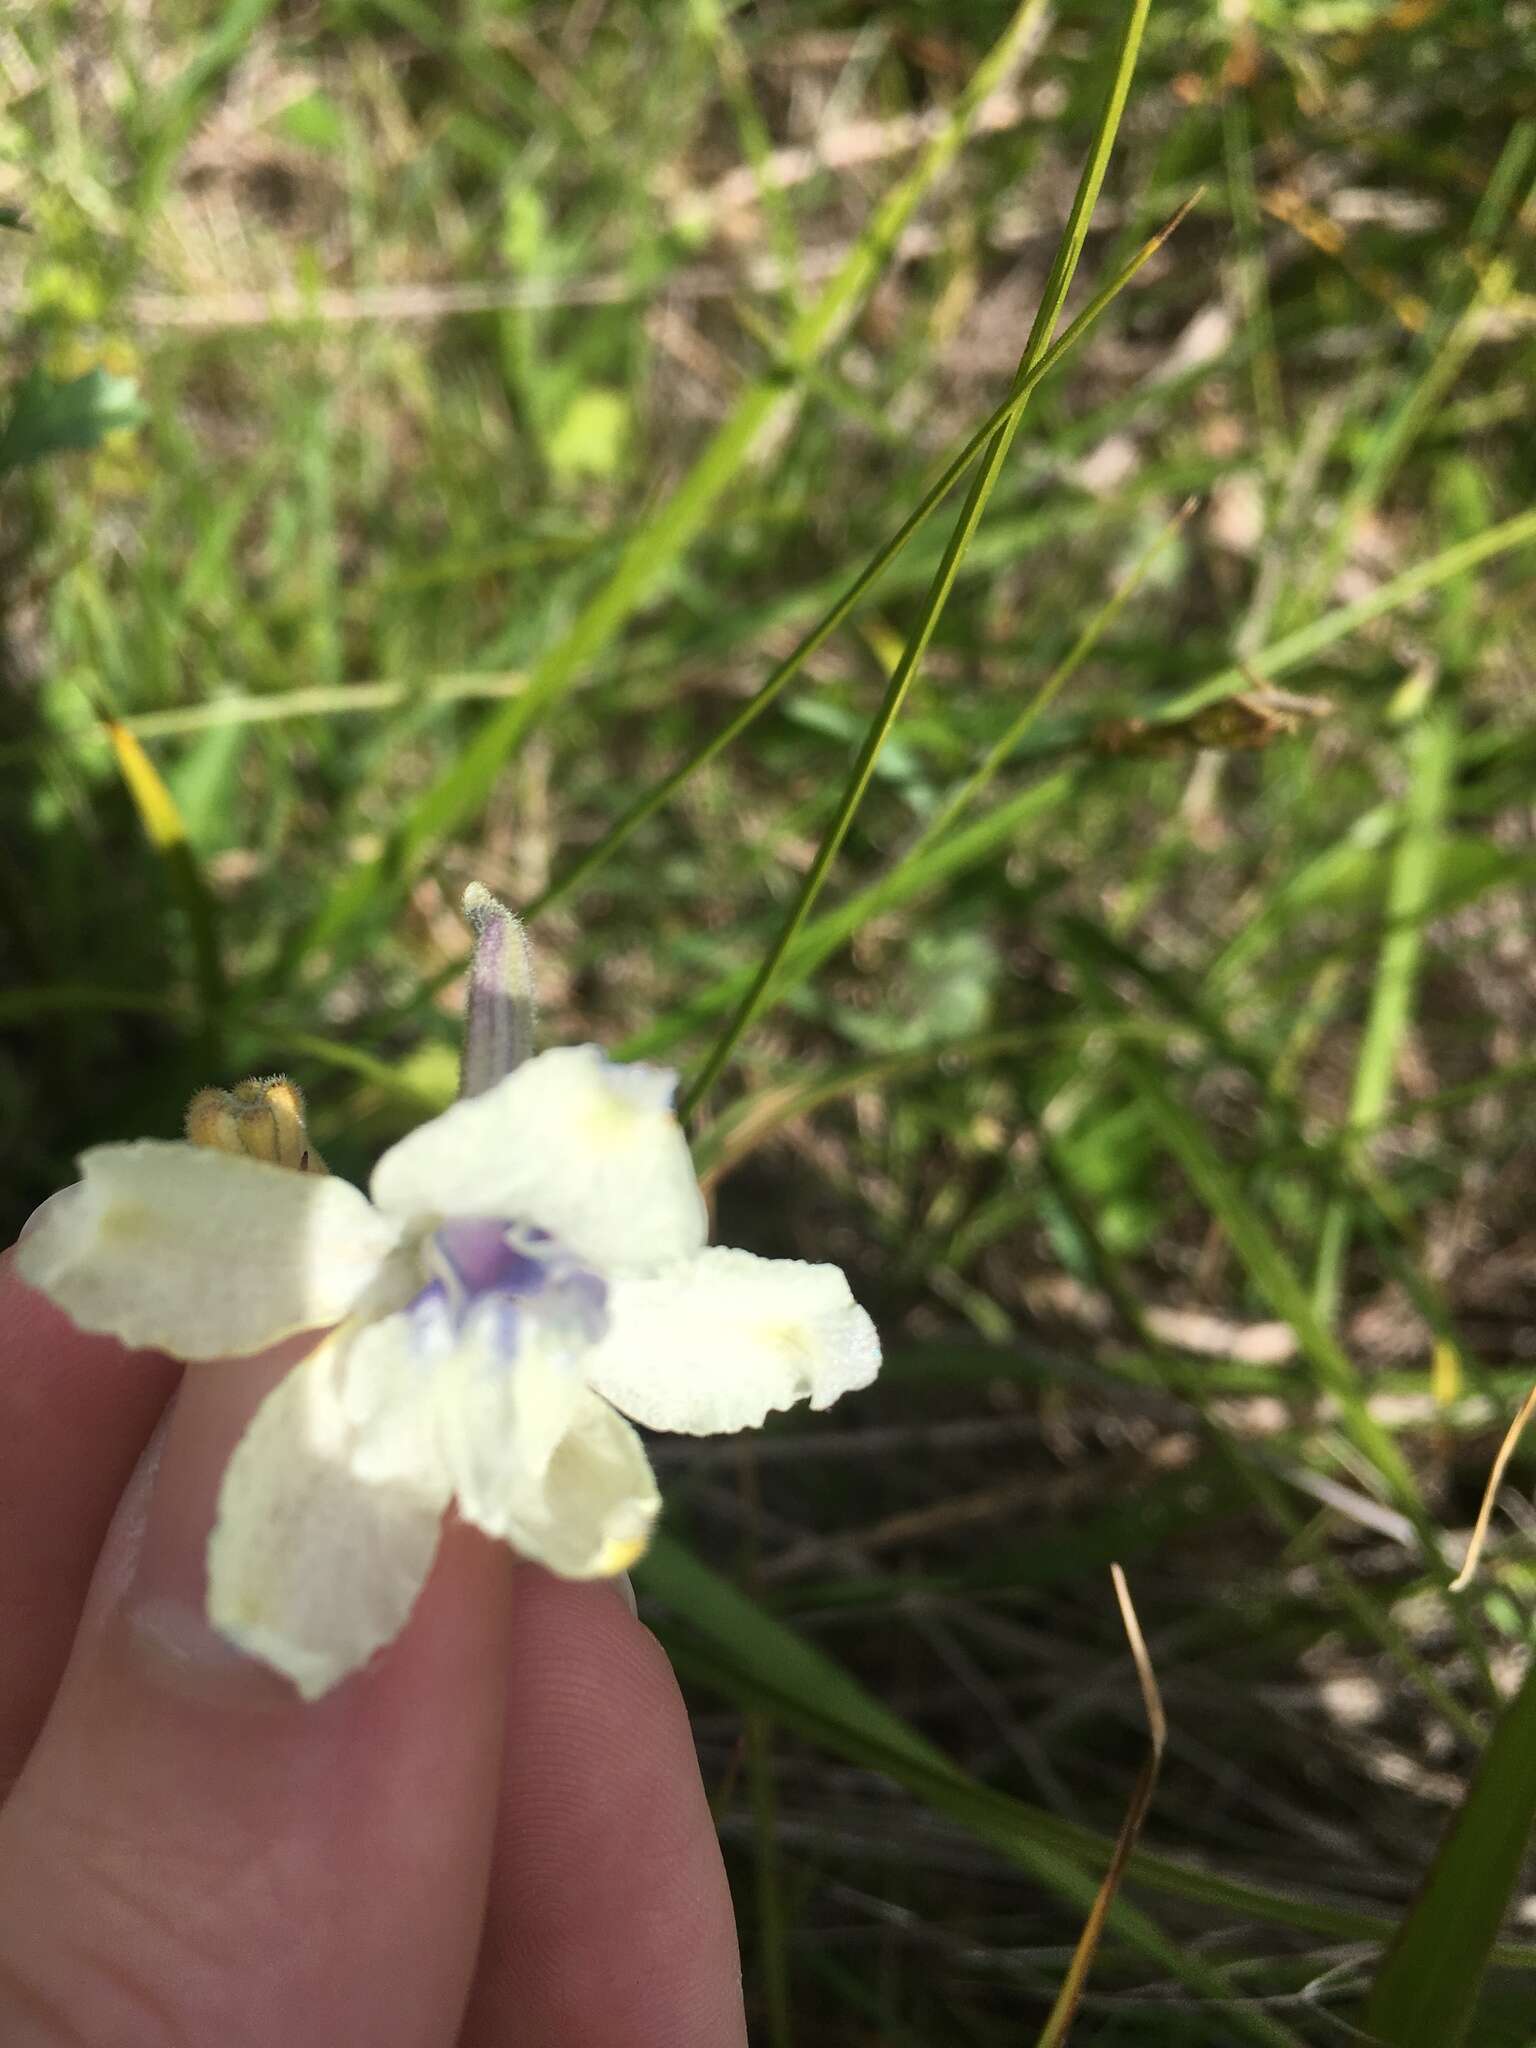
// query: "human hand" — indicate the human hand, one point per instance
point(495, 1834)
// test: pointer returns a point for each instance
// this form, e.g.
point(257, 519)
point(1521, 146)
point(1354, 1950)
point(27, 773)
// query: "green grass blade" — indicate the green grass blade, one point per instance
point(766, 1665)
point(772, 1933)
point(834, 928)
point(1057, 284)
point(1445, 349)
point(1098, 623)
point(333, 700)
point(1264, 368)
point(392, 1078)
point(1276, 1280)
point(766, 1649)
point(735, 1646)
point(1293, 650)
point(1431, 761)
point(1373, 1617)
point(663, 538)
point(172, 117)
point(747, 1122)
point(756, 145)
point(662, 792)
point(1425, 1992)
point(926, 865)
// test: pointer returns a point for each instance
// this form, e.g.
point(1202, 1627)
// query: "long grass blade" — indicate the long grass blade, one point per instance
point(1295, 649)
point(665, 536)
point(1431, 764)
point(1425, 1993)
point(741, 1650)
point(966, 845)
point(662, 792)
point(1276, 1280)
point(1057, 285)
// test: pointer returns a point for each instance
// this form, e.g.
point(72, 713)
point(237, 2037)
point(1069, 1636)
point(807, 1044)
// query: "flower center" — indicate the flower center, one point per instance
point(513, 1275)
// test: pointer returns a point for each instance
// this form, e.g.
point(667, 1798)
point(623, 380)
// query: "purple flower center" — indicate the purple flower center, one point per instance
point(510, 1273)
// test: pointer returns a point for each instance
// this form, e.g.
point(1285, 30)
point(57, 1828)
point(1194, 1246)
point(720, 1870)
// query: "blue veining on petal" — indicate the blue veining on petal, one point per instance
point(509, 1274)
point(431, 1323)
point(479, 1255)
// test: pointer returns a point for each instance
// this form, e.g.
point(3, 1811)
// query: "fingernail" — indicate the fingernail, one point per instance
point(166, 1604)
point(624, 1586)
point(118, 1563)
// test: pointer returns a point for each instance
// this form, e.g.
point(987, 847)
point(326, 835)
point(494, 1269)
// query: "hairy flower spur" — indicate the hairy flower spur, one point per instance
point(531, 1268)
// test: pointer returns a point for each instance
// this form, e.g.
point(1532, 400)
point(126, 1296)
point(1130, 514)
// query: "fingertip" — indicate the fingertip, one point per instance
point(76, 1413)
point(610, 1916)
point(189, 1828)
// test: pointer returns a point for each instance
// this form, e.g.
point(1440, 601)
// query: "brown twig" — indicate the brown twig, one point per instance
point(1512, 1436)
point(1057, 2025)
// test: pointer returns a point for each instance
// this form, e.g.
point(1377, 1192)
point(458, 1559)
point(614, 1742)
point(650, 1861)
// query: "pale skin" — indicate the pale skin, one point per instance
point(495, 1836)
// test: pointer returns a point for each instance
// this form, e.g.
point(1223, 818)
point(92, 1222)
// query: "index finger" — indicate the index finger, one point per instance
point(75, 1415)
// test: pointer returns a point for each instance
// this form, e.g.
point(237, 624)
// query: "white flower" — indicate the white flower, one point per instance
point(532, 1262)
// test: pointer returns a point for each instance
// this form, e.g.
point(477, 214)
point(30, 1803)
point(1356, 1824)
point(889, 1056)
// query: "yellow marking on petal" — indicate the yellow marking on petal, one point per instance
point(127, 1220)
point(786, 1337)
point(609, 1118)
point(794, 1347)
point(619, 1553)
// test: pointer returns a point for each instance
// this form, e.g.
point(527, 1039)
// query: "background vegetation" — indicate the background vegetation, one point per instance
point(431, 425)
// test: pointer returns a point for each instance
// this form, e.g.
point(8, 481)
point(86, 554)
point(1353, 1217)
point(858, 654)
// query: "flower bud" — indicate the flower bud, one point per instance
point(262, 1119)
point(499, 1013)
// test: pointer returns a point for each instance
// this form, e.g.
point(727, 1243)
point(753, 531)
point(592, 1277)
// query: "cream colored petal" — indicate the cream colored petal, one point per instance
point(712, 1345)
point(541, 1462)
point(385, 1384)
point(588, 1150)
point(312, 1566)
point(201, 1253)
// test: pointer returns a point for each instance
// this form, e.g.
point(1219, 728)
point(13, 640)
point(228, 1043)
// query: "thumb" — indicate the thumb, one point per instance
point(192, 1853)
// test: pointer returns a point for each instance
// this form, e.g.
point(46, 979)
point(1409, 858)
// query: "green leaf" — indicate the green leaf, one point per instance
point(944, 990)
point(588, 439)
point(48, 416)
point(314, 122)
point(1426, 1990)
